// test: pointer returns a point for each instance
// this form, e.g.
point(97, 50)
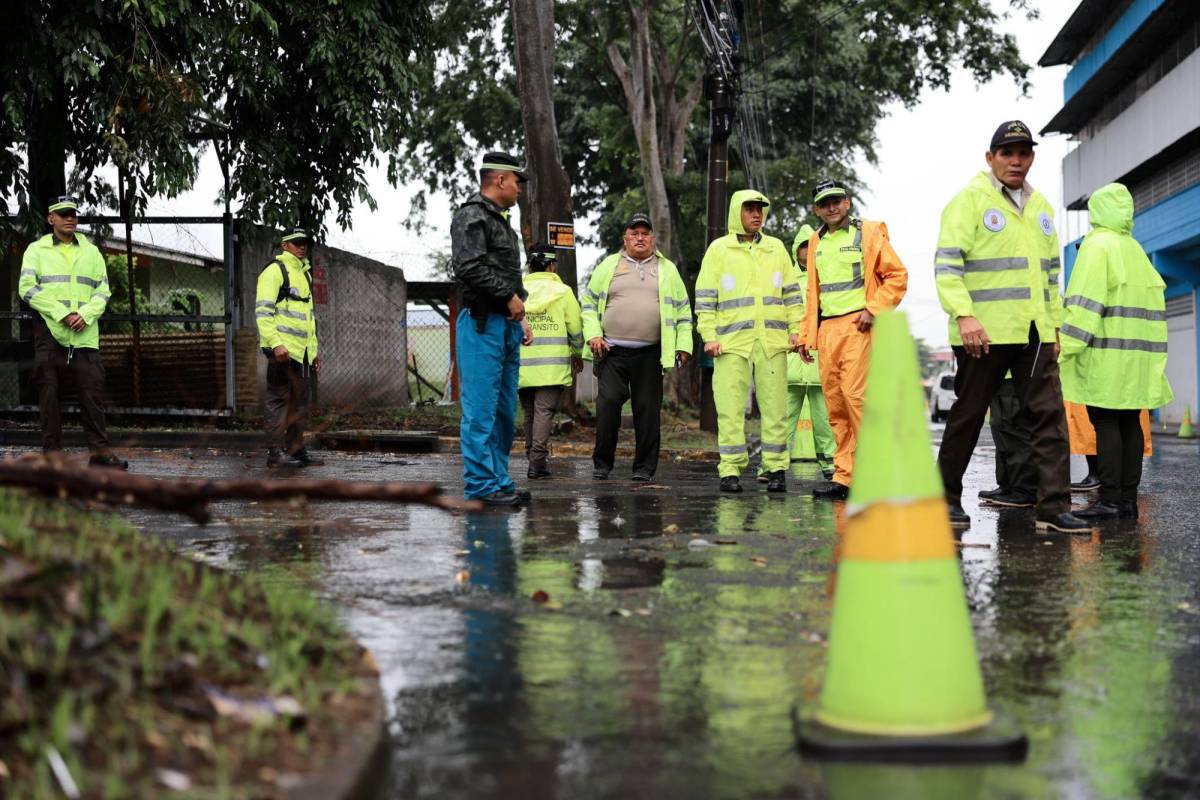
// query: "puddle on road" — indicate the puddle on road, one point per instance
point(659, 670)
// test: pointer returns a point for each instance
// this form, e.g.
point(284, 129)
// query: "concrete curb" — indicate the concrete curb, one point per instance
point(359, 769)
point(360, 441)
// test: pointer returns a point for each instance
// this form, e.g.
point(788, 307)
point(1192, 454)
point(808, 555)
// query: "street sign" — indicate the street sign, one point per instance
point(561, 235)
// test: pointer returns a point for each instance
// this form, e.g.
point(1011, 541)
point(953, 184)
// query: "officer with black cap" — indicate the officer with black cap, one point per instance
point(996, 270)
point(287, 334)
point(485, 255)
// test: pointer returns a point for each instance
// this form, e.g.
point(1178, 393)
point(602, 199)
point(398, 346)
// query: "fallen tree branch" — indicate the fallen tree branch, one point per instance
point(67, 478)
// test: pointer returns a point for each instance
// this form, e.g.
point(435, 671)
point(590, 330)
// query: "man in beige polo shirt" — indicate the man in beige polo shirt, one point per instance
point(637, 322)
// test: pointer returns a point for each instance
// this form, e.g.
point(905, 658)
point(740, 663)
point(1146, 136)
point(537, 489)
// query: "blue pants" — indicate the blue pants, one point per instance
point(488, 367)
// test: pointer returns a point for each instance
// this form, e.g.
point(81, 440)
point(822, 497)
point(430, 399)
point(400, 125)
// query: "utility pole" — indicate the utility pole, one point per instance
point(720, 124)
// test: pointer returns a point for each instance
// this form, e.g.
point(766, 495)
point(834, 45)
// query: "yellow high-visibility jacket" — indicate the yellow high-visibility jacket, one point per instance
point(1114, 336)
point(287, 321)
point(674, 310)
point(57, 279)
point(553, 314)
point(998, 264)
point(748, 292)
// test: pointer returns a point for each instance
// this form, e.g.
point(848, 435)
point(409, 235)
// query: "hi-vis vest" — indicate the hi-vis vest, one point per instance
point(553, 314)
point(998, 264)
point(57, 279)
point(286, 320)
point(840, 268)
point(674, 311)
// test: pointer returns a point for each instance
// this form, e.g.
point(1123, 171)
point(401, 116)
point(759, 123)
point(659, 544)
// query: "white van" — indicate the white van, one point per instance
point(941, 397)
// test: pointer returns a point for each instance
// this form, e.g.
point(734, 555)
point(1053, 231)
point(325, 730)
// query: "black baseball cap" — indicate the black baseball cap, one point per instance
point(828, 188)
point(1012, 132)
point(638, 219)
point(543, 252)
point(503, 162)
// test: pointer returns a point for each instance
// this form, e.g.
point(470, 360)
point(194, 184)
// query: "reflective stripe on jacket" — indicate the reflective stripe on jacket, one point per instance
point(998, 264)
point(1114, 335)
point(54, 284)
point(553, 314)
point(674, 310)
point(840, 271)
point(289, 322)
point(747, 292)
point(885, 279)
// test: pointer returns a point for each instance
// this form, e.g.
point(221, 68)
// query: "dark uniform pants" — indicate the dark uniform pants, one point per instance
point(1119, 447)
point(538, 404)
point(629, 373)
point(1013, 436)
point(1035, 378)
point(289, 387)
point(51, 364)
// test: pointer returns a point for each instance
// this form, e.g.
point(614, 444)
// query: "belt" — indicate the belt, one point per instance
point(821, 319)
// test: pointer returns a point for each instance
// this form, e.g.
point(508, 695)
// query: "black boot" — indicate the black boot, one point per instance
point(731, 484)
point(1066, 522)
point(1098, 510)
point(776, 482)
point(832, 491)
point(958, 517)
point(107, 460)
point(307, 459)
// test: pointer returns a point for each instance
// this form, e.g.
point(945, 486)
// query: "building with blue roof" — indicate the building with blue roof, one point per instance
point(1131, 102)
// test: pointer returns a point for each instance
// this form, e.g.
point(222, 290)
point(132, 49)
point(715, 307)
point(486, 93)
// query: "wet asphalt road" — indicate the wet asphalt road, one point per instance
point(663, 670)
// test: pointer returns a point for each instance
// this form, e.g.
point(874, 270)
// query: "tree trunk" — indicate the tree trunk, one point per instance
point(637, 83)
point(47, 154)
point(549, 187)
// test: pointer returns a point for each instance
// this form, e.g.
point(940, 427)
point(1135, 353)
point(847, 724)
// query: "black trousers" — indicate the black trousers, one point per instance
point(289, 389)
point(1013, 436)
point(629, 374)
point(1035, 378)
point(1119, 444)
point(52, 363)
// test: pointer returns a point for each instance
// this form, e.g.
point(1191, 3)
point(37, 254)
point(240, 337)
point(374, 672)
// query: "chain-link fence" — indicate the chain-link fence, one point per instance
point(170, 354)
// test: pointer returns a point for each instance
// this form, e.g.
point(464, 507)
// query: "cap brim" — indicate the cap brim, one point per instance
point(1006, 142)
point(830, 193)
point(521, 176)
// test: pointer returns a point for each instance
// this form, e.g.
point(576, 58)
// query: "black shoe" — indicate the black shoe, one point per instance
point(534, 473)
point(1090, 483)
point(958, 517)
point(307, 459)
point(502, 499)
point(1066, 522)
point(524, 495)
point(108, 460)
point(832, 491)
point(600, 474)
point(642, 477)
point(987, 494)
point(1008, 499)
point(827, 474)
point(731, 484)
point(276, 457)
point(777, 482)
point(1098, 510)
point(1128, 509)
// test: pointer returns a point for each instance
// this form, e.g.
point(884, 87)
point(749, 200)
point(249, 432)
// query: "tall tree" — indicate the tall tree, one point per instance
point(549, 196)
point(298, 93)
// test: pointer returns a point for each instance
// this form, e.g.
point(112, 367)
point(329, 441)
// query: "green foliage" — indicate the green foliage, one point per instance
point(108, 642)
point(817, 98)
point(307, 91)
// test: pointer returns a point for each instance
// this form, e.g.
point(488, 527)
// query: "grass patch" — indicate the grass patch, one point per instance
point(112, 650)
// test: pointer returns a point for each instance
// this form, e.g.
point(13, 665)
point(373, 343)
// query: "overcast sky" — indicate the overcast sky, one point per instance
point(926, 154)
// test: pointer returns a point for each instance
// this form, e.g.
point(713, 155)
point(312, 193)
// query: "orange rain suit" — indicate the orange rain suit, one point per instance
point(845, 352)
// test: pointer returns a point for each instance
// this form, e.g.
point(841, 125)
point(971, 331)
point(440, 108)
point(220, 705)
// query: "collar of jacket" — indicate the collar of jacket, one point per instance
point(50, 240)
point(479, 199)
point(851, 222)
point(642, 261)
point(290, 260)
point(543, 276)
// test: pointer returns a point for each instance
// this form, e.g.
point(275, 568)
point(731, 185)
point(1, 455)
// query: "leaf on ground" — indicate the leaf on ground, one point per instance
point(759, 561)
point(540, 596)
point(620, 612)
point(725, 541)
point(174, 780)
point(672, 528)
point(254, 709)
point(699, 544)
point(463, 576)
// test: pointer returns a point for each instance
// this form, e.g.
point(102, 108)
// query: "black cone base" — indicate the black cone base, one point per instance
point(998, 742)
